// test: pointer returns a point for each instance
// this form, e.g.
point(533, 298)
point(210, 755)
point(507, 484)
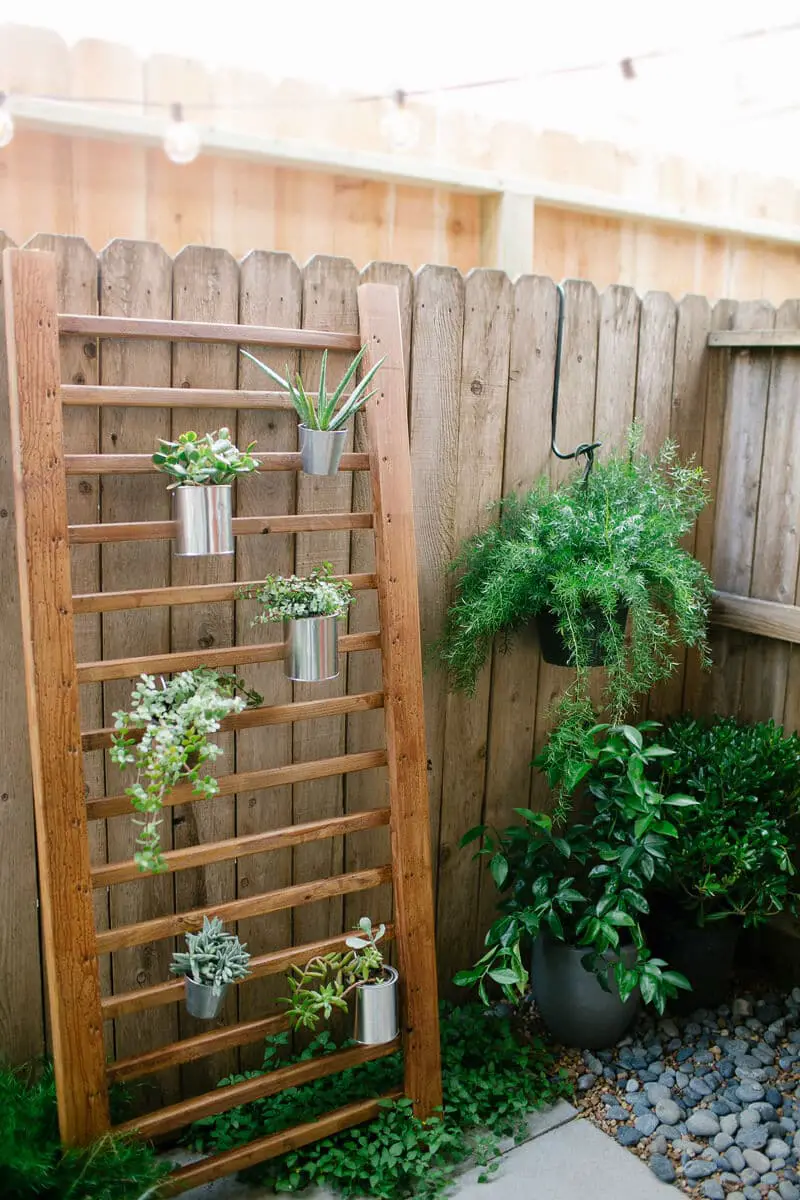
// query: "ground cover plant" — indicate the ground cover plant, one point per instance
point(491, 1081)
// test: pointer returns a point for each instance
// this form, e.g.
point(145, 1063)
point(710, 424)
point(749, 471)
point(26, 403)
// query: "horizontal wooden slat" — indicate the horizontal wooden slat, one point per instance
point(275, 1144)
point(142, 464)
point(755, 339)
point(207, 331)
point(107, 396)
point(165, 1120)
point(241, 847)
point(763, 617)
point(274, 963)
point(228, 785)
point(268, 714)
point(200, 593)
point(150, 531)
point(109, 940)
point(190, 1049)
point(230, 656)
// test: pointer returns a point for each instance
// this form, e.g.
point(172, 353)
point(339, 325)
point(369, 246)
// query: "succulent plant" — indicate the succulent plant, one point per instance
point(323, 414)
point(214, 956)
point(317, 594)
point(202, 461)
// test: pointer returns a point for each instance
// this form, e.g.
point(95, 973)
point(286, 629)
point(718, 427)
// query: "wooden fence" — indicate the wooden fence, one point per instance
point(481, 363)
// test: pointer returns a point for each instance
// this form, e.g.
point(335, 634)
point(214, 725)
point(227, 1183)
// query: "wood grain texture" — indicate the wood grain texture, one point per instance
point(756, 339)
point(515, 675)
point(138, 531)
point(265, 964)
point(190, 1049)
point(31, 297)
point(270, 293)
point(435, 388)
point(329, 302)
point(234, 910)
point(136, 281)
point(655, 368)
point(395, 551)
point(173, 397)
point(142, 464)
point(488, 315)
point(617, 359)
point(211, 330)
point(203, 592)
point(364, 731)
point(275, 1144)
point(766, 618)
point(21, 1010)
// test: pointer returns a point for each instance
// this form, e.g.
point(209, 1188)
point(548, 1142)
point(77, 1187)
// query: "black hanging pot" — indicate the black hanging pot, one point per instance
point(555, 650)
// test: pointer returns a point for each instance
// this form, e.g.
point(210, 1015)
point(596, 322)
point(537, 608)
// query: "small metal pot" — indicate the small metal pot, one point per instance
point(321, 450)
point(312, 648)
point(205, 520)
point(376, 1019)
point(203, 1000)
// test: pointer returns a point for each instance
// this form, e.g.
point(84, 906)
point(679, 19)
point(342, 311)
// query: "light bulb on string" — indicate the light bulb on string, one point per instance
point(6, 122)
point(400, 126)
point(182, 142)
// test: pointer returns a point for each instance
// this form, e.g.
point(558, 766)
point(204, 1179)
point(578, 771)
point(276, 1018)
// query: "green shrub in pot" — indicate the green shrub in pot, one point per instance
point(584, 555)
point(733, 857)
point(585, 885)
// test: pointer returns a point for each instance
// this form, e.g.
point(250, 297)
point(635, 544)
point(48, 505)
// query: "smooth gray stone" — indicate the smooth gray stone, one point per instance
point(668, 1111)
point(658, 1145)
point(615, 1112)
point(752, 1139)
point(629, 1137)
point(632, 1086)
point(703, 1123)
point(758, 1161)
point(729, 1123)
point(700, 1088)
point(662, 1168)
point(750, 1118)
point(586, 1081)
point(788, 1191)
point(698, 1168)
point(681, 1079)
point(776, 1148)
point(657, 1091)
point(736, 1159)
point(752, 1193)
point(713, 1190)
point(646, 1124)
point(722, 1142)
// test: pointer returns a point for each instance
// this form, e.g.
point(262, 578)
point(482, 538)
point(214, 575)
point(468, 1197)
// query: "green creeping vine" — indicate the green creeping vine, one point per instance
point(490, 1081)
point(165, 736)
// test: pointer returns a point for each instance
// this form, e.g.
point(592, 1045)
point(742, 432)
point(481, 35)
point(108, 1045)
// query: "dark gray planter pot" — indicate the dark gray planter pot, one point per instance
point(572, 1003)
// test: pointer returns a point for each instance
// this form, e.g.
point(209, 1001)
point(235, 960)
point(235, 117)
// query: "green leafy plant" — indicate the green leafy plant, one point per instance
point(214, 957)
point(585, 885)
point(490, 1081)
point(325, 413)
point(34, 1164)
point(195, 461)
point(165, 736)
point(583, 552)
point(325, 981)
point(293, 597)
point(736, 845)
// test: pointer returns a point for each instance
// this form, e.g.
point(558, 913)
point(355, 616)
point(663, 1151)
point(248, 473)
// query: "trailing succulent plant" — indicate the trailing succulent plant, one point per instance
point(325, 413)
point(317, 594)
point(324, 982)
point(214, 956)
point(165, 736)
point(587, 551)
point(195, 461)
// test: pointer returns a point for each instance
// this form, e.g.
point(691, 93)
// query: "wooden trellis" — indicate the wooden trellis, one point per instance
point(72, 943)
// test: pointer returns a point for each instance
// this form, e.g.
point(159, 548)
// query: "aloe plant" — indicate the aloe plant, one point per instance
point(323, 413)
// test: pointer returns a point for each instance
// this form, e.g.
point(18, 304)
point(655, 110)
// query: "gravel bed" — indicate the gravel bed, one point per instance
point(711, 1102)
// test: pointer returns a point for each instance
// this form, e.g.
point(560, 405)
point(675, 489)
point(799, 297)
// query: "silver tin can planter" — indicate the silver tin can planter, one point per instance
point(377, 1020)
point(205, 520)
point(203, 1000)
point(570, 1000)
point(321, 450)
point(311, 648)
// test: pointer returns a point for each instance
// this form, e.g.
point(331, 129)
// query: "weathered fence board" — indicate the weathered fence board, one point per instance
point(480, 361)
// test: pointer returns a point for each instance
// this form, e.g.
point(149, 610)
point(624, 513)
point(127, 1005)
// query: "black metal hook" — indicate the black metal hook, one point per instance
point(583, 449)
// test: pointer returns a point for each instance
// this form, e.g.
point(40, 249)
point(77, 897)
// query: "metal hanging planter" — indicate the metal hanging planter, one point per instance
point(377, 1010)
point(321, 450)
point(311, 653)
point(204, 1000)
point(205, 520)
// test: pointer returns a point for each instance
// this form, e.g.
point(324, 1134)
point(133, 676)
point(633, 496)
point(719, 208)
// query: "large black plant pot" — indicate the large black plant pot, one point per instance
point(704, 955)
point(572, 1004)
point(554, 649)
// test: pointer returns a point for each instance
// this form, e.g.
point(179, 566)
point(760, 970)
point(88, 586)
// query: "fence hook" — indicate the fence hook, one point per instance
point(583, 449)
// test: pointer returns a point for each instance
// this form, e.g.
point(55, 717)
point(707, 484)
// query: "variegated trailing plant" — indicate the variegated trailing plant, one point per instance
point(326, 412)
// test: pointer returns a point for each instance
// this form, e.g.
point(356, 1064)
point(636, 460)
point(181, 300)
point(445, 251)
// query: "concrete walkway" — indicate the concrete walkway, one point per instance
point(564, 1158)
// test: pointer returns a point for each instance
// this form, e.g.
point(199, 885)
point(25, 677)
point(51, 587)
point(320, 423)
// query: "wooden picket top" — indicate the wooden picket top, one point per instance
point(73, 943)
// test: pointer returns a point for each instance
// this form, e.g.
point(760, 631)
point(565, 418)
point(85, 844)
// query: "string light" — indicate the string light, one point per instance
point(182, 142)
point(399, 126)
point(6, 122)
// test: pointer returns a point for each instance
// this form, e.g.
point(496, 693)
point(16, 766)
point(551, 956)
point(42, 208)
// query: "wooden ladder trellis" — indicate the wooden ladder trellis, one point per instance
point(53, 678)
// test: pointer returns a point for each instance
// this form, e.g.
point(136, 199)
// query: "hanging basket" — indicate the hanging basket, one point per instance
point(205, 520)
point(555, 650)
point(203, 1000)
point(376, 1017)
point(311, 652)
point(321, 450)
